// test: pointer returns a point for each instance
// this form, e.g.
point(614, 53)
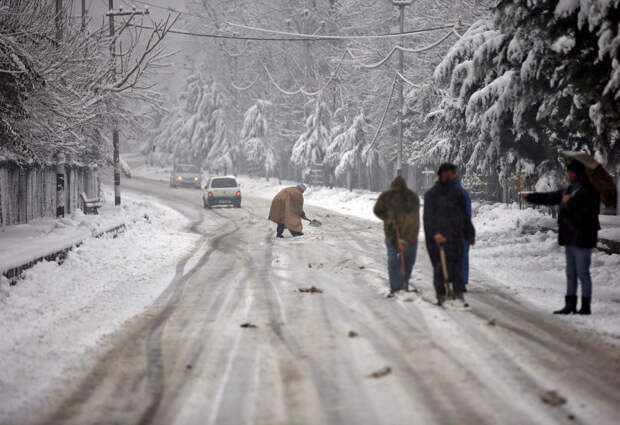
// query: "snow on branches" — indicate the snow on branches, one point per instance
point(310, 147)
point(57, 84)
point(256, 148)
point(539, 77)
point(195, 130)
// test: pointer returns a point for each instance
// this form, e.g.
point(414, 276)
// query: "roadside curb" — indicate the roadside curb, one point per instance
point(13, 274)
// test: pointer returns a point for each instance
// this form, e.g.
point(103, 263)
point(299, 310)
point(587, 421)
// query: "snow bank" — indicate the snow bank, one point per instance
point(51, 319)
point(22, 243)
point(517, 252)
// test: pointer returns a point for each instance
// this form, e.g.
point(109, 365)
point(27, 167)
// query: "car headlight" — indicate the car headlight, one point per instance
point(195, 179)
point(180, 178)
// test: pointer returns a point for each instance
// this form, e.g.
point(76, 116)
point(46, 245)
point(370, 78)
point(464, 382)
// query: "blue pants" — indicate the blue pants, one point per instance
point(578, 266)
point(465, 265)
point(394, 265)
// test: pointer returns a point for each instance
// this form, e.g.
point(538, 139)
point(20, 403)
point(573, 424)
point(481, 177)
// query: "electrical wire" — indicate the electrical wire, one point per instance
point(168, 8)
point(402, 77)
point(340, 37)
point(429, 47)
point(235, 86)
point(298, 37)
point(395, 49)
point(387, 106)
point(303, 90)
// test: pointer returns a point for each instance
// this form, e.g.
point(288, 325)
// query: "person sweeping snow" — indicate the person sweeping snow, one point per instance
point(446, 224)
point(578, 232)
point(287, 210)
point(399, 208)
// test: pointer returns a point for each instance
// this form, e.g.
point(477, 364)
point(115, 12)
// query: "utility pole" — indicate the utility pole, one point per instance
point(58, 18)
point(83, 15)
point(401, 68)
point(115, 135)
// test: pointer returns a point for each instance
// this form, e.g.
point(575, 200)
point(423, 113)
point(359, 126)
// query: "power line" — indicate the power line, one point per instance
point(387, 106)
point(291, 36)
point(303, 90)
point(341, 37)
point(168, 8)
point(248, 87)
point(298, 37)
point(397, 48)
point(411, 83)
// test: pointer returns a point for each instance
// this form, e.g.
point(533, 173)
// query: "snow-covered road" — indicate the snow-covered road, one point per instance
point(188, 361)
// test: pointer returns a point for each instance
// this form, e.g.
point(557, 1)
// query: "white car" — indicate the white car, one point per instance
point(222, 190)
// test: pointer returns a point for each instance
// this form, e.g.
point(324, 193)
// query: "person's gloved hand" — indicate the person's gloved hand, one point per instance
point(303, 215)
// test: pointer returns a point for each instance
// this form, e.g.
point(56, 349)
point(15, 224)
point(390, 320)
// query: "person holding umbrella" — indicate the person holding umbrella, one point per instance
point(399, 209)
point(578, 231)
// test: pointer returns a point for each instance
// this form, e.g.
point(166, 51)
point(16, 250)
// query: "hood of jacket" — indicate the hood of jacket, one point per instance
point(399, 184)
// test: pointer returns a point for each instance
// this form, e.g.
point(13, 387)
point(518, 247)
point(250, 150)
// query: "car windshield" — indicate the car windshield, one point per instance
point(224, 182)
point(186, 169)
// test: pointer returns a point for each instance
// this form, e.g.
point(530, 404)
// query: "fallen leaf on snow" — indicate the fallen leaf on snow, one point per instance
point(553, 398)
point(353, 334)
point(248, 325)
point(311, 290)
point(491, 322)
point(381, 372)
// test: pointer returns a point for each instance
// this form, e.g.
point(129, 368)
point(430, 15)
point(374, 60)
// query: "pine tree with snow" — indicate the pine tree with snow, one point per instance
point(195, 132)
point(346, 151)
point(310, 147)
point(537, 78)
point(256, 147)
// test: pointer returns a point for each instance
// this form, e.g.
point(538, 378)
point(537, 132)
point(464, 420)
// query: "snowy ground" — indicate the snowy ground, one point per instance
point(23, 243)
point(52, 319)
point(515, 252)
point(187, 360)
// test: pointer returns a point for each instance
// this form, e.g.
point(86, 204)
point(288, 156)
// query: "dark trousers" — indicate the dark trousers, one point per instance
point(281, 228)
point(455, 276)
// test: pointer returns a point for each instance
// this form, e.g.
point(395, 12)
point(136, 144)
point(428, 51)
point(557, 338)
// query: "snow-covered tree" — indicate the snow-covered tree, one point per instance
point(310, 147)
point(57, 84)
point(195, 131)
point(539, 77)
point(255, 145)
point(349, 147)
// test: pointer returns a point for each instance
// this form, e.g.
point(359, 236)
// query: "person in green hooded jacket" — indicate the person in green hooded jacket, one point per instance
point(399, 208)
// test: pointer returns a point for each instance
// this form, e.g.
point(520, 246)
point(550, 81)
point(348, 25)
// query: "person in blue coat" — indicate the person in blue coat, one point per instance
point(465, 263)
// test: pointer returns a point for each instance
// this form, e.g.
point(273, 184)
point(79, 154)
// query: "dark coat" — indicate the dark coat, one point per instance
point(406, 212)
point(445, 212)
point(578, 218)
